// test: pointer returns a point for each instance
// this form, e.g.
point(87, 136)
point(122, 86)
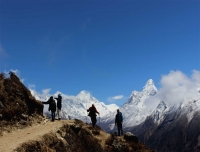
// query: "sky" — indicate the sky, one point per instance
point(108, 48)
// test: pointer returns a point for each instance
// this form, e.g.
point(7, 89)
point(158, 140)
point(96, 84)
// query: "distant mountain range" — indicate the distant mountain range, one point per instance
point(164, 126)
point(76, 106)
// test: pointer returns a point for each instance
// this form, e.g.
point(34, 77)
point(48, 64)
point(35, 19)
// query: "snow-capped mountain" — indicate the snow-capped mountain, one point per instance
point(76, 106)
point(134, 109)
point(172, 122)
point(162, 122)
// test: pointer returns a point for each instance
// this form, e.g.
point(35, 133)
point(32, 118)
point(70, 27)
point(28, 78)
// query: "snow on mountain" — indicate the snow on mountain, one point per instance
point(159, 113)
point(112, 107)
point(189, 106)
point(76, 106)
point(134, 110)
point(41, 97)
point(178, 122)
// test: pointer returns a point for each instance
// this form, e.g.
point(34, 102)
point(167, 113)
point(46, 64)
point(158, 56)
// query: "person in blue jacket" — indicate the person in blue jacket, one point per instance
point(118, 122)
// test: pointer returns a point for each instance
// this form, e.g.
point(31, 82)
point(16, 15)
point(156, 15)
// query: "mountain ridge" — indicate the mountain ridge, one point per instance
point(27, 129)
point(148, 116)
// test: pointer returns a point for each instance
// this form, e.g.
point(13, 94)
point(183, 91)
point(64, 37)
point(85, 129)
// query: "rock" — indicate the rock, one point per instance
point(117, 145)
point(22, 122)
point(1, 105)
point(128, 136)
point(75, 128)
point(24, 116)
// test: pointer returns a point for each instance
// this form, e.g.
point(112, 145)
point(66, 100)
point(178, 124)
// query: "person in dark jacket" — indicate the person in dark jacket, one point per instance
point(52, 107)
point(59, 106)
point(119, 121)
point(92, 113)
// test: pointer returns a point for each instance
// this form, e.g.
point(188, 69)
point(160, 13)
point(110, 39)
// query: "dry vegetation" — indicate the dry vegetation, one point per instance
point(19, 109)
point(75, 136)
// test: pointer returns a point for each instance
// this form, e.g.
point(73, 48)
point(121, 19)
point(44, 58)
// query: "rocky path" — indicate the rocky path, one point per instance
point(9, 141)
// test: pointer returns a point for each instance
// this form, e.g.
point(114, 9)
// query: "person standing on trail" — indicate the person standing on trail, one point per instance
point(119, 121)
point(59, 106)
point(52, 107)
point(92, 114)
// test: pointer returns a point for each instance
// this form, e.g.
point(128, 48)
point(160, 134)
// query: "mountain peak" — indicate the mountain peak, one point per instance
point(150, 87)
point(149, 82)
point(84, 92)
point(85, 95)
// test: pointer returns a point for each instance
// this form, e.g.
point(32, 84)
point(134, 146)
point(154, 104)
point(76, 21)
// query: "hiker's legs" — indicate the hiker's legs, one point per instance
point(119, 126)
point(121, 129)
point(53, 115)
point(118, 130)
point(59, 113)
point(94, 120)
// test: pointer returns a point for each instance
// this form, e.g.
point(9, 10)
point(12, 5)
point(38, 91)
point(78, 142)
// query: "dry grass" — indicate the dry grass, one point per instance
point(18, 110)
point(17, 106)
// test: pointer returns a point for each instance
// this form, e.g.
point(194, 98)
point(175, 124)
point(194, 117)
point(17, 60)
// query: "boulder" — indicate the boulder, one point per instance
point(128, 136)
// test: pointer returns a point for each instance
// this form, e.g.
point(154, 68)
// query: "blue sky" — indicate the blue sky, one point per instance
point(106, 47)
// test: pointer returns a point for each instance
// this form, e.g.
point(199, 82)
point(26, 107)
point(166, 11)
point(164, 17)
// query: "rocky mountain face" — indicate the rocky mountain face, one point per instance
point(172, 128)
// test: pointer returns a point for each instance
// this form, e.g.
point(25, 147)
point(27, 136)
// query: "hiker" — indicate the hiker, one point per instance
point(52, 107)
point(119, 121)
point(92, 113)
point(59, 106)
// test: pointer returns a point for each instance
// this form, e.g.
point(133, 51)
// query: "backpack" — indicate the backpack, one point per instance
point(92, 112)
point(52, 105)
point(119, 117)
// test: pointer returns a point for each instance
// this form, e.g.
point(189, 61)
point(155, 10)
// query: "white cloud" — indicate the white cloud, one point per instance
point(46, 91)
point(196, 76)
point(31, 87)
point(111, 99)
point(152, 102)
point(176, 86)
point(16, 72)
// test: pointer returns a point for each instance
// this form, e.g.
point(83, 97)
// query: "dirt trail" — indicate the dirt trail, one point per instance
point(10, 141)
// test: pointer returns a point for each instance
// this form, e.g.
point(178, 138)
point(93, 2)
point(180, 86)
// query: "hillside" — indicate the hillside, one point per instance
point(67, 135)
point(24, 128)
point(18, 108)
